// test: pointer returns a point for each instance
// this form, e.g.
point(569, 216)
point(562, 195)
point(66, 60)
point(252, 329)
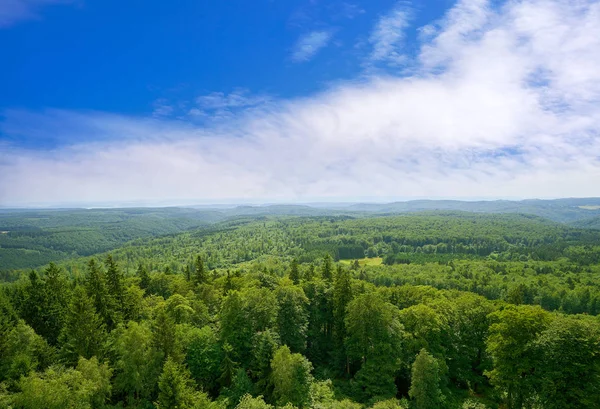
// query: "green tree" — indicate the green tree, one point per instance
point(83, 334)
point(291, 377)
point(165, 340)
point(569, 364)
point(97, 289)
point(294, 271)
point(23, 351)
point(86, 387)
point(292, 320)
point(228, 366)
point(248, 402)
point(236, 327)
point(176, 389)
point(342, 295)
point(200, 273)
point(114, 281)
point(327, 268)
point(374, 340)
point(425, 382)
point(137, 362)
point(57, 301)
point(142, 273)
point(203, 357)
point(264, 346)
point(511, 344)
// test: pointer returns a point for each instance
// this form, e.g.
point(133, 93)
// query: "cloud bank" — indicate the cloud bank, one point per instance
point(502, 102)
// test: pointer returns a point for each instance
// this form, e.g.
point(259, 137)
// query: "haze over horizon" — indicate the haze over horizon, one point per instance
point(298, 102)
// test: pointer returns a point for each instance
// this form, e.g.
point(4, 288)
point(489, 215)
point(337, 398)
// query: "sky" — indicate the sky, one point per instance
point(153, 102)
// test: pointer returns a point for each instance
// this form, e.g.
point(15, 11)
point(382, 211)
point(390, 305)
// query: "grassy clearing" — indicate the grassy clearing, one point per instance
point(590, 207)
point(373, 261)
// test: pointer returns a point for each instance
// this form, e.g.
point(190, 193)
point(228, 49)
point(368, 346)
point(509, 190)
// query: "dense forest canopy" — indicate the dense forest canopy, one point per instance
point(340, 310)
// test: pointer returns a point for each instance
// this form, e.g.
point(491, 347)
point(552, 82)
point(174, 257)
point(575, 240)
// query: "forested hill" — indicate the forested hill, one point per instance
point(451, 310)
point(417, 236)
point(31, 238)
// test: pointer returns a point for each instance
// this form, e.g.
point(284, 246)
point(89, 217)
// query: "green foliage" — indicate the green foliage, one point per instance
point(248, 402)
point(87, 386)
point(137, 364)
point(83, 334)
point(374, 341)
point(176, 389)
point(291, 377)
point(497, 308)
point(425, 382)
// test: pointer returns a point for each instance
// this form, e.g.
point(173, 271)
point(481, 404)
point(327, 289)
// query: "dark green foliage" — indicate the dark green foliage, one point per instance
point(200, 274)
point(84, 332)
point(292, 320)
point(294, 271)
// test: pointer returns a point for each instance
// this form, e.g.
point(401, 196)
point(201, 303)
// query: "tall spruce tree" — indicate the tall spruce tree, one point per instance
point(97, 290)
point(83, 334)
point(342, 295)
point(114, 281)
point(200, 273)
point(327, 268)
point(294, 271)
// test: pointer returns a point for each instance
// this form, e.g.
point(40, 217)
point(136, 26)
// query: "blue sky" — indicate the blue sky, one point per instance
point(122, 57)
point(211, 101)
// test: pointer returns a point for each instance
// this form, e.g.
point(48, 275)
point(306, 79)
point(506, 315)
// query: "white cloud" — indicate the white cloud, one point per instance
point(13, 11)
point(388, 35)
point(505, 103)
point(309, 45)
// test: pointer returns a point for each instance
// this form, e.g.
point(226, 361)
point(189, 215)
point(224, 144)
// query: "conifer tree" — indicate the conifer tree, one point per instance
point(310, 273)
point(83, 334)
point(200, 274)
point(98, 292)
point(228, 366)
point(342, 295)
point(142, 273)
point(114, 281)
point(294, 271)
point(176, 389)
point(327, 268)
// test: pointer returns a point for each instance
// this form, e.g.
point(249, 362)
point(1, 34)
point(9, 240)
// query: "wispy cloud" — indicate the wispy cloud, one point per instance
point(388, 35)
point(220, 105)
point(309, 45)
point(504, 102)
point(13, 11)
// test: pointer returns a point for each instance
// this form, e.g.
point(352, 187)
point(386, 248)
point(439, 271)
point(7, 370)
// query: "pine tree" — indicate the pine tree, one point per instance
point(200, 275)
point(342, 295)
point(142, 273)
point(176, 389)
point(114, 281)
point(57, 300)
point(327, 269)
point(83, 333)
point(98, 292)
point(228, 366)
point(294, 271)
point(310, 273)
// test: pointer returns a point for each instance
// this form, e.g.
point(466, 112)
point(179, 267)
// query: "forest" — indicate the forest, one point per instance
point(340, 310)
